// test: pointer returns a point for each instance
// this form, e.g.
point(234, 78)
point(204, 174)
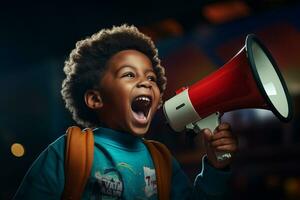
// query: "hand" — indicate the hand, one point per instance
point(221, 141)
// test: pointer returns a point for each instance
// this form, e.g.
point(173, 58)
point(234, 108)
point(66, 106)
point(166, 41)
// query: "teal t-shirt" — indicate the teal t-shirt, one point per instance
point(122, 169)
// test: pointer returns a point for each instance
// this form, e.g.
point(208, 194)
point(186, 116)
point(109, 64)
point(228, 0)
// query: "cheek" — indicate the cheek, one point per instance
point(157, 96)
point(115, 95)
point(121, 94)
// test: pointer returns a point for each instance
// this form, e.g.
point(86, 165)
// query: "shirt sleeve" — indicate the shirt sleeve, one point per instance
point(210, 183)
point(45, 178)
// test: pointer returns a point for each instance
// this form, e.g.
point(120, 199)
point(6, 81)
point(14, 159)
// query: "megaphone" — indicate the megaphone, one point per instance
point(251, 79)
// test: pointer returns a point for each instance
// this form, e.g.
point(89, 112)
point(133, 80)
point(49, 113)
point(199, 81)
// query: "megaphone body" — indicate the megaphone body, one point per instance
point(251, 79)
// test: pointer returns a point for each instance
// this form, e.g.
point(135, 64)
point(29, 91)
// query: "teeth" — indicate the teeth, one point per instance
point(143, 98)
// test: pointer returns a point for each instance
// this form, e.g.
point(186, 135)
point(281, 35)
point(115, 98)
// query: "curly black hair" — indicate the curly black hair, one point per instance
point(87, 63)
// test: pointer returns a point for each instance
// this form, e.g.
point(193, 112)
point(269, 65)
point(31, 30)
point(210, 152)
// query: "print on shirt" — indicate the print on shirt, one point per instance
point(108, 185)
point(150, 180)
point(126, 166)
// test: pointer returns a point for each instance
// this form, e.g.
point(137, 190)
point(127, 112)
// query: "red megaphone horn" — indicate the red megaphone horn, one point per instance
point(251, 79)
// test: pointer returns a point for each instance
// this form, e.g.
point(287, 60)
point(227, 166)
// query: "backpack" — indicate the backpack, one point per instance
point(79, 152)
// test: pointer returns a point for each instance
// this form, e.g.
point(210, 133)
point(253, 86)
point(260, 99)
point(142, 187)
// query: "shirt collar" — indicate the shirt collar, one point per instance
point(118, 139)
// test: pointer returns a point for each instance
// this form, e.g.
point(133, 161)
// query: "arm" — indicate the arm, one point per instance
point(210, 184)
point(45, 178)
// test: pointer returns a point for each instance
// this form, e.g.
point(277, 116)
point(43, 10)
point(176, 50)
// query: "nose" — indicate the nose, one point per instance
point(144, 83)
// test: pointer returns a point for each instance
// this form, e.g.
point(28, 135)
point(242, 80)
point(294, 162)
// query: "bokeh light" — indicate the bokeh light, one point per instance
point(17, 150)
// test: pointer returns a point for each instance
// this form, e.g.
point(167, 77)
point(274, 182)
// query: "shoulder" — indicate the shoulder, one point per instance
point(51, 159)
point(60, 141)
point(57, 148)
point(45, 177)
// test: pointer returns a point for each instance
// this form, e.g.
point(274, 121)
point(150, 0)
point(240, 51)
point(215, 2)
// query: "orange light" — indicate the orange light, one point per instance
point(166, 28)
point(292, 187)
point(17, 150)
point(225, 11)
point(171, 27)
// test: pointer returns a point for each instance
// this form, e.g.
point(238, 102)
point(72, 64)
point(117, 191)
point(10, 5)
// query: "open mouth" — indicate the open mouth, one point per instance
point(141, 106)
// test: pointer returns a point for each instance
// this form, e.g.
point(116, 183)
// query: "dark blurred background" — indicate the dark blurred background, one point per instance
point(194, 39)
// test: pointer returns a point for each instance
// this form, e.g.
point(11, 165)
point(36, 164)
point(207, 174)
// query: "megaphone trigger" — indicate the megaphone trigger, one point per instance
point(211, 122)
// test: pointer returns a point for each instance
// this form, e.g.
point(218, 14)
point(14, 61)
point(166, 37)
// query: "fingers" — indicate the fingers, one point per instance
point(221, 134)
point(207, 135)
point(227, 148)
point(223, 131)
point(207, 142)
point(223, 126)
point(222, 141)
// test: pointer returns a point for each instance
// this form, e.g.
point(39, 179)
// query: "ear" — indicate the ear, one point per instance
point(93, 99)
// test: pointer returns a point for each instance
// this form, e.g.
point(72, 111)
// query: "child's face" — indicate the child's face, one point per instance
point(129, 92)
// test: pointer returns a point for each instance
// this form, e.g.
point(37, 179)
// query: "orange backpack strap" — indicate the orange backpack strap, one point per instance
point(162, 159)
point(79, 153)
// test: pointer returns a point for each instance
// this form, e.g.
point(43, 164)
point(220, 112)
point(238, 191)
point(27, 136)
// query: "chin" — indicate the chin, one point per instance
point(139, 131)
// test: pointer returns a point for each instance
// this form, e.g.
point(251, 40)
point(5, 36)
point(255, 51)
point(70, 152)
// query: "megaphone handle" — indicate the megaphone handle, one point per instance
point(211, 122)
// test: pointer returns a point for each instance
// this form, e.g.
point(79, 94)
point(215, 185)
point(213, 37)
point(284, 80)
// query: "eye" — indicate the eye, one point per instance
point(128, 74)
point(152, 78)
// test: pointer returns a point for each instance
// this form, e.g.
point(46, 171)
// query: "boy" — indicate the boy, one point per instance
point(114, 84)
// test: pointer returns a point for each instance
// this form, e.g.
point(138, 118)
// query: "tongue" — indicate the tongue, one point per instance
point(140, 117)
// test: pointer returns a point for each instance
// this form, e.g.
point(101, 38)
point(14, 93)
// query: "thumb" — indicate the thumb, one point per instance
point(207, 135)
point(209, 150)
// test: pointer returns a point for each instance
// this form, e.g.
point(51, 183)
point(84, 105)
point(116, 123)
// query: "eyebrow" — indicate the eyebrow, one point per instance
point(134, 68)
point(124, 66)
